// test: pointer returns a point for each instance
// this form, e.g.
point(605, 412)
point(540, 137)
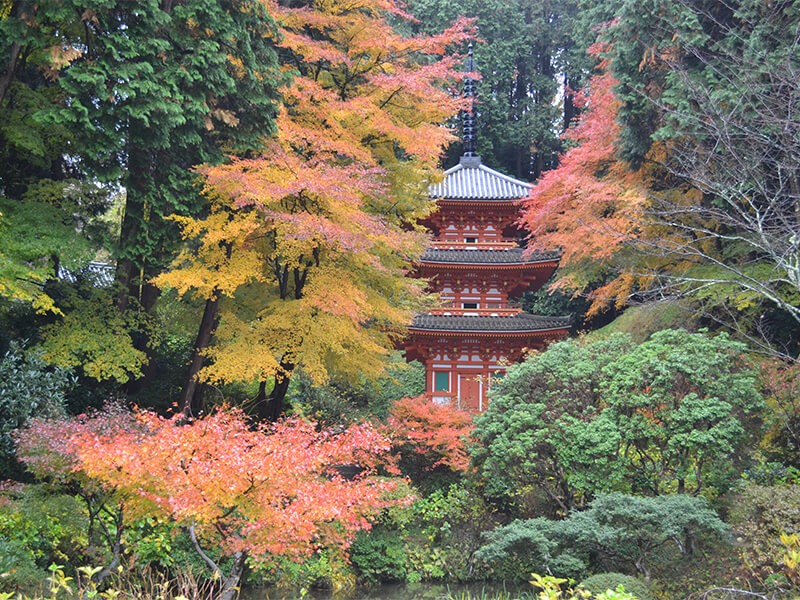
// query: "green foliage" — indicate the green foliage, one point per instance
point(521, 437)
point(28, 387)
point(592, 416)
point(179, 85)
point(432, 539)
point(38, 528)
point(759, 515)
point(35, 238)
point(346, 401)
point(601, 582)
point(617, 530)
point(640, 322)
point(527, 53)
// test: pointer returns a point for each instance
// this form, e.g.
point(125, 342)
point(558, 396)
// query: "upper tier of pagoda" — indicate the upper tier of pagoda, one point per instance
point(472, 180)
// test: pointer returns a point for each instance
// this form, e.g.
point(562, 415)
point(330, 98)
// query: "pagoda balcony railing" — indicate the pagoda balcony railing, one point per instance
point(501, 244)
point(493, 309)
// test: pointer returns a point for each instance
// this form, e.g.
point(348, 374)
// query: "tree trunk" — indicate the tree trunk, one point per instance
point(231, 586)
point(190, 401)
point(261, 406)
point(276, 402)
point(570, 110)
point(115, 547)
point(147, 296)
point(136, 264)
point(13, 56)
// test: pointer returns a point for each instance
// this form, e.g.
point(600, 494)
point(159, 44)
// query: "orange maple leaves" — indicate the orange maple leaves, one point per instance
point(591, 205)
point(269, 491)
point(419, 426)
point(311, 237)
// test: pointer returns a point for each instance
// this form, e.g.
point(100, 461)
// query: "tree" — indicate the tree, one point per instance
point(727, 115)
point(586, 417)
point(706, 94)
point(142, 93)
point(48, 448)
point(592, 205)
point(429, 434)
point(266, 492)
point(308, 243)
point(684, 404)
point(526, 55)
point(543, 428)
point(47, 207)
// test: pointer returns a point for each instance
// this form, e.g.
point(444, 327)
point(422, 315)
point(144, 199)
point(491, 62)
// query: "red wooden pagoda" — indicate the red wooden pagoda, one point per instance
point(477, 267)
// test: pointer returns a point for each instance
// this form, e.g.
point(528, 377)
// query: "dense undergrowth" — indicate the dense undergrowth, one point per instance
point(512, 492)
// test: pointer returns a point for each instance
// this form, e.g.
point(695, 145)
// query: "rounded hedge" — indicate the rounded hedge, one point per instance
point(597, 584)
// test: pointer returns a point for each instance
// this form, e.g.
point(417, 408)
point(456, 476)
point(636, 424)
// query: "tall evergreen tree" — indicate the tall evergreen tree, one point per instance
point(147, 90)
point(529, 64)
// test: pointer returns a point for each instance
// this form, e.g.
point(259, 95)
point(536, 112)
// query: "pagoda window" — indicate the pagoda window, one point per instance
point(469, 305)
point(441, 381)
point(495, 377)
point(470, 240)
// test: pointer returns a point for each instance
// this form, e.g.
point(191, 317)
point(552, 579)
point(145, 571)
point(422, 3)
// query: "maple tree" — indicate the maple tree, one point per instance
point(48, 449)
point(302, 258)
point(683, 182)
point(591, 205)
point(265, 492)
point(434, 434)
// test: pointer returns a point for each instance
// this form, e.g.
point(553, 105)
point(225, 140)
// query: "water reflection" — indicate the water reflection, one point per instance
point(410, 591)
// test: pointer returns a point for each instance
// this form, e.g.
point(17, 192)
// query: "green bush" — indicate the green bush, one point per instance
point(759, 515)
point(601, 582)
point(18, 568)
point(28, 387)
point(617, 531)
point(433, 539)
point(39, 528)
point(588, 417)
point(379, 555)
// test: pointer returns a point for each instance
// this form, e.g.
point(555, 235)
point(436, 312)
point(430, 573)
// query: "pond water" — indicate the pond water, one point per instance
point(420, 591)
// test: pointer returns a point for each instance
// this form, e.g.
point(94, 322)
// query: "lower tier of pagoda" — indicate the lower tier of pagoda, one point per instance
point(464, 355)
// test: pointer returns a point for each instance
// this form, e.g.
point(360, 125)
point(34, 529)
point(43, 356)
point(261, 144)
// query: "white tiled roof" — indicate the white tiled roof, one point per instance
point(100, 274)
point(471, 180)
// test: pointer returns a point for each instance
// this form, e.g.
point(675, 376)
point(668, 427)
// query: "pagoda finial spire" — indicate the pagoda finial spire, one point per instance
point(468, 116)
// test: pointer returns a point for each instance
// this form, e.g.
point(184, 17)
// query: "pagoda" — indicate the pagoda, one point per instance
point(477, 267)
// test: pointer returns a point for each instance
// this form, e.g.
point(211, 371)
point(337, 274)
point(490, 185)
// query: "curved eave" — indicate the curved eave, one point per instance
point(476, 265)
point(496, 333)
point(511, 203)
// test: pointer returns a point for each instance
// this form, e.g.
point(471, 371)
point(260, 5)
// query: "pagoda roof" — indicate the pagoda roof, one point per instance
point(505, 256)
point(471, 180)
point(101, 274)
point(519, 323)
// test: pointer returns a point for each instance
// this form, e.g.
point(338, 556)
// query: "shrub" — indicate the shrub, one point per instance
point(28, 387)
point(760, 514)
point(617, 531)
point(601, 582)
point(432, 539)
point(570, 420)
point(38, 528)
